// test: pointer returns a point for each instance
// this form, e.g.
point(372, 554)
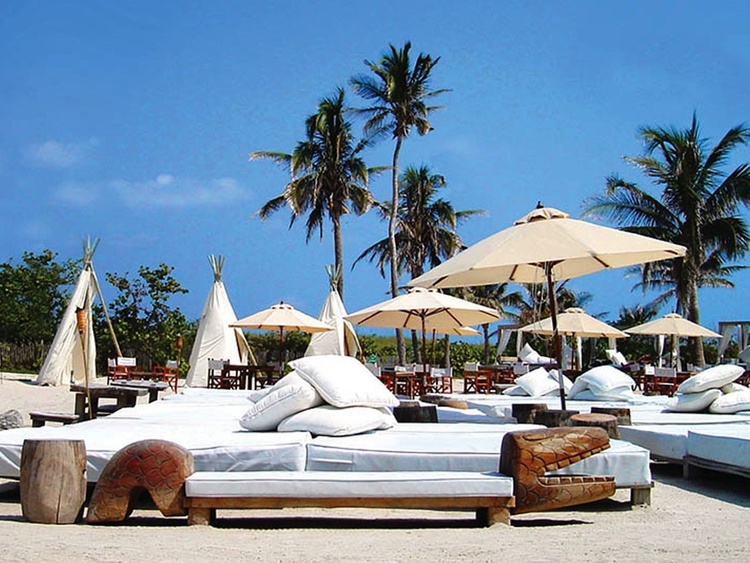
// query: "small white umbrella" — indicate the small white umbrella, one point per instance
point(673, 325)
point(424, 309)
point(282, 317)
point(577, 323)
point(546, 245)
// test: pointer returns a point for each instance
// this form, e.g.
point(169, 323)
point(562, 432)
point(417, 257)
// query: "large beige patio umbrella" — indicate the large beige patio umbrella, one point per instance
point(577, 323)
point(673, 325)
point(424, 309)
point(282, 316)
point(546, 245)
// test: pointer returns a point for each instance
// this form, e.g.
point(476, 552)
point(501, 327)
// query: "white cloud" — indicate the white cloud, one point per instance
point(165, 191)
point(56, 154)
point(76, 194)
point(169, 191)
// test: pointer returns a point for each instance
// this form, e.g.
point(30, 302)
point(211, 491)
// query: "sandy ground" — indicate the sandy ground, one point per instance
point(702, 519)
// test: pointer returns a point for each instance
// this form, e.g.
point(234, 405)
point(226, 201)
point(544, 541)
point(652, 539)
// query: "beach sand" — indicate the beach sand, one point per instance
point(702, 519)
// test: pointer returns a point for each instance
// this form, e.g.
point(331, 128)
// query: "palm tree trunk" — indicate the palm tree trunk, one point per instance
point(400, 343)
point(693, 314)
point(338, 254)
point(486, 334)
point(416, 349)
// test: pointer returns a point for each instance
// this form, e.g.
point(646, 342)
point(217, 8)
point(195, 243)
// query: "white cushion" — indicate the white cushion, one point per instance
point(331, 421)
point(733, 388)
point(536, 383)
point(344, 382)
point(731, 403)
point(693, 402)
point(711, 378)
point(528, 354)
point(623, 393)
point(347, 484)
point(279, 404)
point(516, 391)
point(601, 379)
point(289, 378)
point(616, 357)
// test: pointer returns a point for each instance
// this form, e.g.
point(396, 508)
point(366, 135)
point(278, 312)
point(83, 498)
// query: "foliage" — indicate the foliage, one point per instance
point(265, 345)
point(146, 326)
point(33, 296)
point(399, 93)
point(698, 207)
point(328, 177)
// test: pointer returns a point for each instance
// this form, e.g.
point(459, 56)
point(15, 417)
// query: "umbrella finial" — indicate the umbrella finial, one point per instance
point(539, 205)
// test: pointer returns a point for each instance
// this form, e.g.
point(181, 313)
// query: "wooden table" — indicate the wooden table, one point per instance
point(126, 397)
point(153, 387)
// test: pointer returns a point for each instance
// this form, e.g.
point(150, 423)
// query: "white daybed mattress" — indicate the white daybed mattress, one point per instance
point(448, 447)
point(213, 435)
point(727, 445)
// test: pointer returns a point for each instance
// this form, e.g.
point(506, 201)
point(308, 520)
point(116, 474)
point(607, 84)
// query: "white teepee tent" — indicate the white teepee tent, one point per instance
point(65, 360)
point(215, 338)
point(342, 340)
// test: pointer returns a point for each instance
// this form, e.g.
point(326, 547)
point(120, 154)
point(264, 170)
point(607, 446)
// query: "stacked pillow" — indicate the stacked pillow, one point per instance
point(531, 356)
point(603, 383)
point(324, 395)
point(713, 389)
point(538, 383)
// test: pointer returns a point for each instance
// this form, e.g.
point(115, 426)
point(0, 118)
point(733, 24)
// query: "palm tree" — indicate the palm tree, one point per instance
point(328, 177)
point(697, 208)
point(400, 93)
point(425, 228)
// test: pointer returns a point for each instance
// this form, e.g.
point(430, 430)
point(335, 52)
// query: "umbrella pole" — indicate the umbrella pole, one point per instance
point(555, 333)
point(281, 350)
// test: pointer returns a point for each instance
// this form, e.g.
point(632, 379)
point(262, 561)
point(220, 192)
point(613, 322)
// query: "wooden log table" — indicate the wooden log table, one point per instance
point(153, 387)
point(125, 396)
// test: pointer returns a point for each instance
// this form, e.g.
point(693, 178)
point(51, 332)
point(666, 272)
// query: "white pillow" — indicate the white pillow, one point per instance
point(343, 381)
point(711, 378)
point(529, 355)
point(331, 421)
point(516, 391)
point(732, 403)
point(733, 388)
point(279, 404)
point(601, 379)
point(289, 378)
point(536, 383)
point(567, 383)
point(693, 402)
point(624, 393)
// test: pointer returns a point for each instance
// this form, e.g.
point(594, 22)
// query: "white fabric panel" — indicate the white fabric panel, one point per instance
point(215, 338)
point(327, 484)
point(727, 444)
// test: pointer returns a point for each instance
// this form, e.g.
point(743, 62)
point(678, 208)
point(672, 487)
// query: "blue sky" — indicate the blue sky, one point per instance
point(133, 121)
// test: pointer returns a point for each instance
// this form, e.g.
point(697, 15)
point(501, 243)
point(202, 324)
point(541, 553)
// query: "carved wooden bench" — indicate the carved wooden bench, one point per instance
point(522, 484)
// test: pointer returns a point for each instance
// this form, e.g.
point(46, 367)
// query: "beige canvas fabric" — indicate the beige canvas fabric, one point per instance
point(673, 324)
point(577, 322)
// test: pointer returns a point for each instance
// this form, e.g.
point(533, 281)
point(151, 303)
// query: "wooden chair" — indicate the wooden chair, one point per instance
point(441, 380)
point(476, 380)
point(118, 370)
point(214, 373)
point(168, 373)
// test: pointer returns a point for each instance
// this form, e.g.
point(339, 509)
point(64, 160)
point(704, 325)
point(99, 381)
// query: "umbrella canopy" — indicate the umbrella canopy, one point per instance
point(280, 317)
point(424, 309)
point(546, 246)
point(673, 325)
point(575, 322)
